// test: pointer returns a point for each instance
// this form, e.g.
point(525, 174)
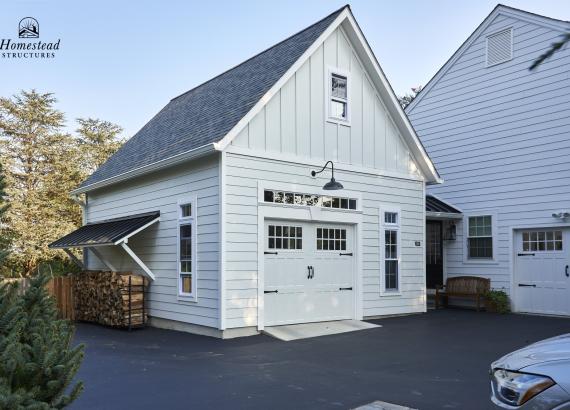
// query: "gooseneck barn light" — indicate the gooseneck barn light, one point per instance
point(332, 185)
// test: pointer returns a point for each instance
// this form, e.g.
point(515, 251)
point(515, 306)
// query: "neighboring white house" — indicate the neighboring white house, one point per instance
point(236, 233)
point(500, 136)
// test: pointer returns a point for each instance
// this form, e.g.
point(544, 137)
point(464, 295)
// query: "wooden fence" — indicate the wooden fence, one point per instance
point(61, 288)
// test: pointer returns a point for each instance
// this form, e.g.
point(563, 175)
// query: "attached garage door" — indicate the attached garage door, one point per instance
point(308, 272)
point(542, 275)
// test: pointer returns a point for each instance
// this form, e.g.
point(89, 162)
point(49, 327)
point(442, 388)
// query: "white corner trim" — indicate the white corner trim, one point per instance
point(137, 260)
point(233, 133)
point(222, 274)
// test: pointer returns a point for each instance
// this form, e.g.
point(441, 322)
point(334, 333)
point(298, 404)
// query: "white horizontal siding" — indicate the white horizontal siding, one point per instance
point(293, 121)
point(243, 174)
point(157, 245)
point(499, 138)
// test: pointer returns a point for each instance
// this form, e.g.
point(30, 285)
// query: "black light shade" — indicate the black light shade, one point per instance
point(333, 185)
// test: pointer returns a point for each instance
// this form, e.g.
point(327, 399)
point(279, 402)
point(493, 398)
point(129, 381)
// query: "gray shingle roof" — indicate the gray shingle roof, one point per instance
point(208, 112)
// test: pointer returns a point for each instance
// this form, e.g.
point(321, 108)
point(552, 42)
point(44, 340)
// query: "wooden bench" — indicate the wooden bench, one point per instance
point(472, 287)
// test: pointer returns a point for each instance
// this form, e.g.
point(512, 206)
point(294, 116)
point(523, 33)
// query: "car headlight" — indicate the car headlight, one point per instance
point(516, 388)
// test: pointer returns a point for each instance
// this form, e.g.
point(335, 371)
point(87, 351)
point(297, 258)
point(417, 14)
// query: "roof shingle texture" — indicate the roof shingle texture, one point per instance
point(435, 205)
point(208, 112)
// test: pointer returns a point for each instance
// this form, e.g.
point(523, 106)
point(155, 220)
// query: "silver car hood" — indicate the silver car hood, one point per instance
point(548, 350)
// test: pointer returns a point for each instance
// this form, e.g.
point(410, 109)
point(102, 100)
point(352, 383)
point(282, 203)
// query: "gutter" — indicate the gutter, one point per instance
point(164, 163)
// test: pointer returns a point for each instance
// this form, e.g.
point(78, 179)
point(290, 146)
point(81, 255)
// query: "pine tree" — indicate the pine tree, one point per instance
point(37, 361)
point(4, 231)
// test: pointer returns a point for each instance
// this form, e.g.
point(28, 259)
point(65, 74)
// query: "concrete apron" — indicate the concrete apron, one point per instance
point(307, 330)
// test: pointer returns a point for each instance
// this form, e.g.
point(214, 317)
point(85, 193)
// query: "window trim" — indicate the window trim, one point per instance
point(390, 227)
point(510, 28)
point(193, 221)
point(494, 236)
point(330, 71)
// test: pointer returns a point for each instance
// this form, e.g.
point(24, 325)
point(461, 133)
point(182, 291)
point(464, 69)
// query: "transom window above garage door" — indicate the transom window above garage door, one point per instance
point(542, 240)
point(331, 239)
point(284, 237)
point(295, 198)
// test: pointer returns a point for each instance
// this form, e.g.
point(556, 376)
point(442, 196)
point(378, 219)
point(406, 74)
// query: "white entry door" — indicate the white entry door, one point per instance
point(542, 272)
point(308, 272)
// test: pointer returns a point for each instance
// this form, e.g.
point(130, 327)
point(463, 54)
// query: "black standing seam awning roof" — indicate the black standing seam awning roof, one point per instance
point(106, 232)
point(436, 205)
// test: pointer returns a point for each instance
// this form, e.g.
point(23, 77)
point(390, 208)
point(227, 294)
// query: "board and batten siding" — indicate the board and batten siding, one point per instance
point(243, 174)
point(157, 245)
point(499, 137)
point(294, 120)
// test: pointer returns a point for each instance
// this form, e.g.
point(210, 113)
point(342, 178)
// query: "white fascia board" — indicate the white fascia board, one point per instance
point(528, 17)
point(233, 133)
point(443, 215)
point(164, 163)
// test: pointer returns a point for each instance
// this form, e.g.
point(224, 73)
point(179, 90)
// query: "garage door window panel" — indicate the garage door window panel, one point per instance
point(285, 237)
point(331, 239)
point(542, 241)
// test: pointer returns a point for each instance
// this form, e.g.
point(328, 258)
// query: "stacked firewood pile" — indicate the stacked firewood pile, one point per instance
point(110, 298)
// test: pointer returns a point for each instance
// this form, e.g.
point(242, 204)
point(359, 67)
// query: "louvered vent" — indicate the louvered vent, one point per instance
point(499, 47)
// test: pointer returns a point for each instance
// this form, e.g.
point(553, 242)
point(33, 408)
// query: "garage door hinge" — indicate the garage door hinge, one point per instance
point(345, 288)
point(345, 254)
point(270, 291)
point(525, 254)
point(269, 253)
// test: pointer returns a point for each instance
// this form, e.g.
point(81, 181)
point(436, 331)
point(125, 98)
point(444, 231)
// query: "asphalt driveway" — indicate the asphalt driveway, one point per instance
point(430, 361)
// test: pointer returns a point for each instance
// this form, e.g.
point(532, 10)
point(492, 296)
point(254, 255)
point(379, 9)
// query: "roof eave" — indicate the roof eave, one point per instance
point(165, 163)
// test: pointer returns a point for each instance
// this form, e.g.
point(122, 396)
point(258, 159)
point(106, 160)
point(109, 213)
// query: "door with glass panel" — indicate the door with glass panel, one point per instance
point(542, 272)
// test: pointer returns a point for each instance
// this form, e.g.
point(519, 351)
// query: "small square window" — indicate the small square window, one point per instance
point(338, 86)
point(352, 204)
point(268, 196)
point(186, 210)
point(391, 217)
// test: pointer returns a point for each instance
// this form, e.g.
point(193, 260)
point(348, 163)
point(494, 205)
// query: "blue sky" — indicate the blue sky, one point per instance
point(123, 61)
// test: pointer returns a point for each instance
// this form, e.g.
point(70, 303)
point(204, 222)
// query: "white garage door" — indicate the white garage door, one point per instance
point(542, 275)
point(308, 272)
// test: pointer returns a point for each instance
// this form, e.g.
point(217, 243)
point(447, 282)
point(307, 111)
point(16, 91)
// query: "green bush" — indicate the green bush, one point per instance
point(497, 301)
point(37, 361)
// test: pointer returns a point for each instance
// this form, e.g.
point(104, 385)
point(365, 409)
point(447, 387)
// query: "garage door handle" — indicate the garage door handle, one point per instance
point(271, 291)
point(566, 271)
point(526, 285)
point(346, 254)
point(345, 288)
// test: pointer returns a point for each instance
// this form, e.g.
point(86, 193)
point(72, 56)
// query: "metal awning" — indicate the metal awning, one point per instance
point(437, 208)
point(110, 232)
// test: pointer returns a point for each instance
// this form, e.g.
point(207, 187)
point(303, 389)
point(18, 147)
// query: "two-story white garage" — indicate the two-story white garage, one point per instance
point(236, 233)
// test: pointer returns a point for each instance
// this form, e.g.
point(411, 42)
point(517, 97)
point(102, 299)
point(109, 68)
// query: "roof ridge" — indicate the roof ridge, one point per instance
point(262, 52)
point(530, 12)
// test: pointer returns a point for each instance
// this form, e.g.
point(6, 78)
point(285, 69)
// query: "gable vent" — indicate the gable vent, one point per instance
point(499, 47)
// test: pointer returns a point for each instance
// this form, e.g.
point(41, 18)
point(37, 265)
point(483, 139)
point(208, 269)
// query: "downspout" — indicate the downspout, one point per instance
point(83, 204)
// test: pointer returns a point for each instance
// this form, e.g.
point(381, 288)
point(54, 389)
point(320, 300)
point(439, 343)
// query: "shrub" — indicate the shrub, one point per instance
point(37, 361)
point(497, 301)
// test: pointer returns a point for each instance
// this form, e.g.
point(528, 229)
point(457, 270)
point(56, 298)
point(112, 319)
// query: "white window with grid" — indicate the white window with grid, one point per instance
point(186, 252)
point(391, 252)
point(338, 97)
point(480, 237)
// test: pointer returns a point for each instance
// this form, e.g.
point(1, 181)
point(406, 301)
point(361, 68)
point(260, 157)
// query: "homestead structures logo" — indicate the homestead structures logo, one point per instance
point(28, 30)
